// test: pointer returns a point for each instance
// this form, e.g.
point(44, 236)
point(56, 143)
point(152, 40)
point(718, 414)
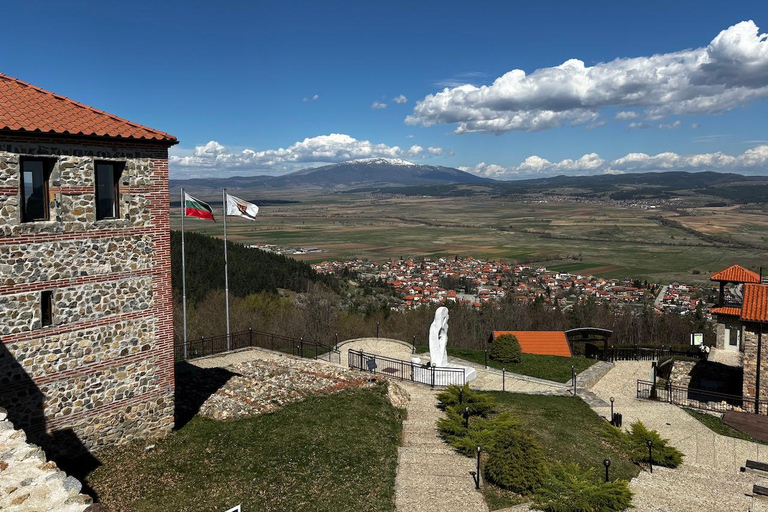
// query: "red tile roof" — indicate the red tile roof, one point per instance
point(727, 310)
point(26, 108)
point(546, 343)
point(736, 274)
point(755, 305)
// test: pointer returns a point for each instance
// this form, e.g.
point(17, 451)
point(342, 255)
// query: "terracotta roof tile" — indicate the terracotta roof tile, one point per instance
point(546, 343)
point(755, 305)
point(736, 274)
point(26, 108)
point(727, 310)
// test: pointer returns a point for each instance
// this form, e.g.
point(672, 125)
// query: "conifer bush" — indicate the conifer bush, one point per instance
point(663, 453)
point(569, 488)
point(515, 461)
point(506, 349)
point(480, 404)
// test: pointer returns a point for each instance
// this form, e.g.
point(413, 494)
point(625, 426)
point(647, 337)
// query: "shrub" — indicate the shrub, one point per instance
point(480, 404)
point(515, 461)
point(663, 454)
point(506, 349)
point(481, 431)
point(569, 488)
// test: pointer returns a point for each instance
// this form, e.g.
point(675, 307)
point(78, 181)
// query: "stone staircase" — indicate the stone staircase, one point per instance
point(431, 477)
point(29, 483)
point(706, 489)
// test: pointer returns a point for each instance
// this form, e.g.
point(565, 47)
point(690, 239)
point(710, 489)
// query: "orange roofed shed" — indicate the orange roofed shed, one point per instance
point(545, 343)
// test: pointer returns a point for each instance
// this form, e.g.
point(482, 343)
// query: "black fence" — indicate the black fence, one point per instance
point(406, 370)
point(649, 354)
point(206, 346)
point(699, 398)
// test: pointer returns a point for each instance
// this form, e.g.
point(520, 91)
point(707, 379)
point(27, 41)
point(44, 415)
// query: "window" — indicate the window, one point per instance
point(34, 189)
point(107, 190)
point(46, 308)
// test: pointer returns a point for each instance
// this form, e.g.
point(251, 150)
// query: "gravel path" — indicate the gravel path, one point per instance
point(709, 479)
point(430, 475)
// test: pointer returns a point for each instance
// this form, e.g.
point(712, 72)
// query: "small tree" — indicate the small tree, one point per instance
point(506, 349)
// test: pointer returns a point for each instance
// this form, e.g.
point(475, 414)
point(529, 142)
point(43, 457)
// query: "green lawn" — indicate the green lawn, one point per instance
point(569, 432)
point(329, 453)
point(553, 368)
point(715, 424)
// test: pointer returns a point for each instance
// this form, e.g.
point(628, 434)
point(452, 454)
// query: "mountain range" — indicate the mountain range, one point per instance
point(392, 176)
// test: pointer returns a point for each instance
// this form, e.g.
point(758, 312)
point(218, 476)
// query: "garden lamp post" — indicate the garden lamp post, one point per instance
point(612, 410)
point(607, 464)
point(650, 453)
point(466, 417)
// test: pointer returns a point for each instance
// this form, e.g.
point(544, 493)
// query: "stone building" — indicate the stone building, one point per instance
point(86, 332)
point(742, 315)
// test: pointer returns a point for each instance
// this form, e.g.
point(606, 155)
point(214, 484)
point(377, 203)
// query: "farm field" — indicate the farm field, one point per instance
point(600, 239)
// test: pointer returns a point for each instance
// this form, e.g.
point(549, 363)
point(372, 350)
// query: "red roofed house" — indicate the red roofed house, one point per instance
point(742, 315)
point(86, 338)
point(546, 343)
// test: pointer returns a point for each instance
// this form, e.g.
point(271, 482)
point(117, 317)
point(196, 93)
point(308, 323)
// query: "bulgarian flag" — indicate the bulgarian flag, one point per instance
point(196, 208)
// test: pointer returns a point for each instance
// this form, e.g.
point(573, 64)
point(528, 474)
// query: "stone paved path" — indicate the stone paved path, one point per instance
point(431, 477)
point(709, 478)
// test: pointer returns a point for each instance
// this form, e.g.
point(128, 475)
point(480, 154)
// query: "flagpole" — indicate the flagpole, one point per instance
point(226, 271)
point(183, 275)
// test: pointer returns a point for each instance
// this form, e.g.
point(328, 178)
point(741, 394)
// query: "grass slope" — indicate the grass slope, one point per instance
point(569, 432)
point(330, 453)
point(553, 368)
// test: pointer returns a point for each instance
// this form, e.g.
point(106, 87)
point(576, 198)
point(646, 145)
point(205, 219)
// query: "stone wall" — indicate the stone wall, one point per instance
point(680, 374)
point(751, 334)
point(102, 372)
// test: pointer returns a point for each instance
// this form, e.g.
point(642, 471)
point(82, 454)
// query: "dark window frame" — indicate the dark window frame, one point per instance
point(47, 164)
point(46, 308)
point(117, 172)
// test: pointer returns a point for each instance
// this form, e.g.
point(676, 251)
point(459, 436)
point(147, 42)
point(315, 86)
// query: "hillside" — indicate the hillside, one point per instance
point(250, 270)
point(636, 186)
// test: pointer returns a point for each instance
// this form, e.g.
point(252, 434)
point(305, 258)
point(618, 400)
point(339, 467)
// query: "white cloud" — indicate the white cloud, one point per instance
point(400, 99)
point(415, 150)
point(435, 150)
point(214, 158)
point(638, 126)
point(627, 114)
point(695, 126)
point(671, 126)
point(315, 97)
point(731, 71)
point(378, 105)
point(752, 161)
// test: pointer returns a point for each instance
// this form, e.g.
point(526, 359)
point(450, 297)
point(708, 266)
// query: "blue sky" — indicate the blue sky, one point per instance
point(268, 87)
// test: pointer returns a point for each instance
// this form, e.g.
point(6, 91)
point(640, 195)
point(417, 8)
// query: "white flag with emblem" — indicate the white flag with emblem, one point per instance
point(240, 208)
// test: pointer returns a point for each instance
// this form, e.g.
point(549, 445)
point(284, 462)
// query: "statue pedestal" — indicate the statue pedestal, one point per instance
point(444, 375)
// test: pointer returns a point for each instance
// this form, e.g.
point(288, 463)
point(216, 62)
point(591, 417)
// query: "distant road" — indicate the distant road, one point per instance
point(660, 296)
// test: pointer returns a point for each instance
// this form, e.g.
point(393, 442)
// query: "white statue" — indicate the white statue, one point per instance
point(438, 338)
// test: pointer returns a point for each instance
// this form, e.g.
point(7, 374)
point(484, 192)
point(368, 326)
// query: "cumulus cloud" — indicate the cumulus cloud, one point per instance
point(752, 161)
point(435, 150)
point(215, 158)
point(378, 105)
point(670, 126)
point(638, 126)
point(627, 114)
point(400, 99)
point(312, 98)
point(731, 71)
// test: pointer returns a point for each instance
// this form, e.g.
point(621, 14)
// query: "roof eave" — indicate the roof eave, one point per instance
point(169, 141)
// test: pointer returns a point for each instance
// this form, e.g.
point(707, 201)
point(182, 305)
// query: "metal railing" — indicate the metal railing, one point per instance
point(648, 354)
point(699, 398)
point(206, 346)
point(406, 370)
